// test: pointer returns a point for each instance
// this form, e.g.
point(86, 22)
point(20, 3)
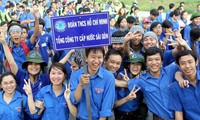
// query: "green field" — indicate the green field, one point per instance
point(146, 5)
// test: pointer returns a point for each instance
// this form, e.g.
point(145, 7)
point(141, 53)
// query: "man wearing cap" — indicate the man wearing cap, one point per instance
point(117, 40)
point(145, 24)
point(195, 18)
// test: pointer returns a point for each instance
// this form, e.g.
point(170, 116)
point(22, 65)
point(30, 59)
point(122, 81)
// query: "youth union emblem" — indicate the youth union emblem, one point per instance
point(60, 25)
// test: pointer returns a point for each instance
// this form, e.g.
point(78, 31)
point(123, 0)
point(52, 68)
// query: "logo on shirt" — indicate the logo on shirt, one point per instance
point(60, 25)
point(98, 90)
point(18, 109)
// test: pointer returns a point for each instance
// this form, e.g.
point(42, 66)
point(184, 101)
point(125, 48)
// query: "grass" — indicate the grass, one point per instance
point(146, 5)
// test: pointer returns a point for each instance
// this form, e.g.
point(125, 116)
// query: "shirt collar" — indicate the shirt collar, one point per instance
point(148, 76)
point(17, 95)
point(99, 73)
point(50, 90)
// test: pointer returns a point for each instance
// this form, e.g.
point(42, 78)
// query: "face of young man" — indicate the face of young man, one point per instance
point(187, 64)
point(94, 60)
point(154, 63)
point(113, 63)
point(149, 42)
point(157, 30)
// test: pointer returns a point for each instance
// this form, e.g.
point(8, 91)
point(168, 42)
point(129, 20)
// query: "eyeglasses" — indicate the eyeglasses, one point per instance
point(8, 83)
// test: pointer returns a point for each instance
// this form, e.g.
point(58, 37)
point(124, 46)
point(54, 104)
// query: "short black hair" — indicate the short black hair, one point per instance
point(167, 24)
point(24, 27)
point(41, 22)
point(152, 51)
point(131, 19)
point(161, 7)
point(183, 53)
point(94, 49)
point(7, 74)
point(194, 34)
point(153, 25)
point(111, 52)
point(171, 5)
point(154, 12)
point(175, 12)
point(59, 66)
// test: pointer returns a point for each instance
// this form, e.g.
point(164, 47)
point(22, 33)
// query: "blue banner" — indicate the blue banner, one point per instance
point(81, 31)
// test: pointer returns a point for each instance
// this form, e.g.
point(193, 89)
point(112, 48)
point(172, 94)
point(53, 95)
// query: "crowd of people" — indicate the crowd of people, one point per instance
point(150, 70)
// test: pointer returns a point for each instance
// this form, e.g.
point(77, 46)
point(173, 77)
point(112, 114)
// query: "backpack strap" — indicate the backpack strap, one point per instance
point(24, 47)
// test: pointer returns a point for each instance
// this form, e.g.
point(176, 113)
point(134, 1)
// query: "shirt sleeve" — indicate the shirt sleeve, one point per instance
point(174, 98)
point(108, 97)
point(26, 108)
point(74, 81)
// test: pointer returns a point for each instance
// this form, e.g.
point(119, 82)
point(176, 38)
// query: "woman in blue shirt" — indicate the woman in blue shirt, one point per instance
point(55, 97)
point(12, 102)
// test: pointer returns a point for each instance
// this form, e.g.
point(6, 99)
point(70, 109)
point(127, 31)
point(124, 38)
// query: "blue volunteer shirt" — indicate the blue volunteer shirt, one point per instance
point(22, 16)
point(47, 20)
point(156, 90)
point(129, 106)
point(186, 35)
point(30, 16)
point(45, 44)
point(159, 18)
point(14, 110)
point(42, 80)
point(55, 106)
point(18, 55)
point(102, 94)
point(175, 24)
point(186, 100)
point(168, 15)
point(168, 58)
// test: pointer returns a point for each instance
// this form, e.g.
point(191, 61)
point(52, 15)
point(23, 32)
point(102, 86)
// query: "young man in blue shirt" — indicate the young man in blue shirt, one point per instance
point(154, 84)
point(185, 101)
point(101, 85)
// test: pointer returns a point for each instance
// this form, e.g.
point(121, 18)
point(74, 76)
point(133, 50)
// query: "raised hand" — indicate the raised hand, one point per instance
point(132, 95)
point(125, 76)
point(27, 87)
point(67, 92)
point(2, 37)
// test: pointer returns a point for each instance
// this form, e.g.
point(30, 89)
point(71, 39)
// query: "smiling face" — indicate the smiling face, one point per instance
point(8, 84)
point(113, 63)
point(94, 60)
point(33, 68)
point(187, 64)
point(154, 63)
point(56, 76)
point(137, 40)
point(196, 21)
point(135, 68)
point(149, 42)
point(15, 36)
